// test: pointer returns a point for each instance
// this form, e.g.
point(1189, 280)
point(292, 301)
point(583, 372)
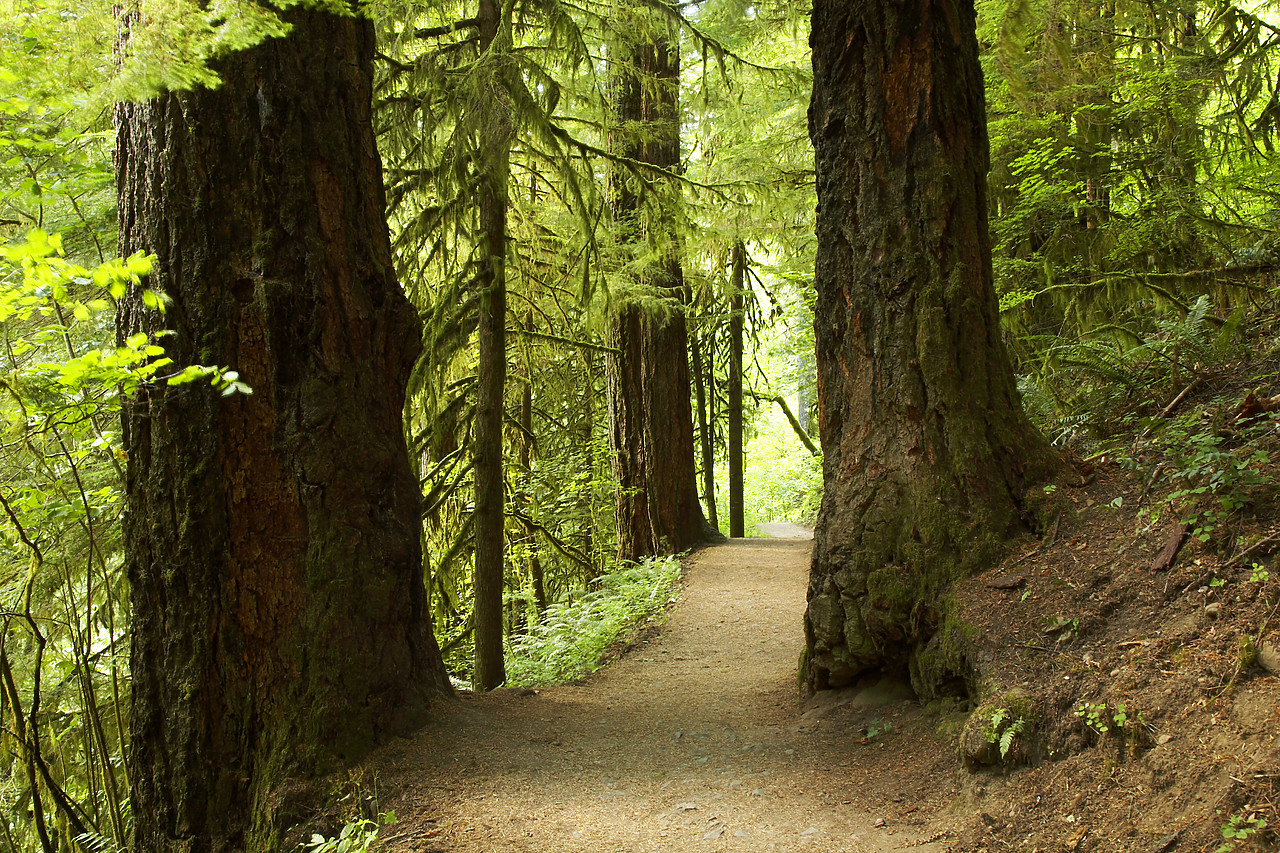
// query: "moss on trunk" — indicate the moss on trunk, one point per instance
point(927, 450)
point(271, 540)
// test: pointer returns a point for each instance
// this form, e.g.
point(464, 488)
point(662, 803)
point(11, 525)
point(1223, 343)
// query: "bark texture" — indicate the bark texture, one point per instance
point(494, 164)
point(271, 540)
point(706, 441)
point(737, 460)
point(927, 453)
point(650, 419)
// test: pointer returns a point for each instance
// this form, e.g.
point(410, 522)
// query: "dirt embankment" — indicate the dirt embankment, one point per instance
point(1147, 703)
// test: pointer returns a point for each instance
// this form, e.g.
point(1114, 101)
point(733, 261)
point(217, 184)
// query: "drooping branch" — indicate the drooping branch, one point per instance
point(791, 418)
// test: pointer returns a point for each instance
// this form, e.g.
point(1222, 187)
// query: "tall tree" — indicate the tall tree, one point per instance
point(927, 450)
point(706, 440)
point(651, 422)
point(737, 323)
point(492, 198)
point(271, 540)
point(494, 167)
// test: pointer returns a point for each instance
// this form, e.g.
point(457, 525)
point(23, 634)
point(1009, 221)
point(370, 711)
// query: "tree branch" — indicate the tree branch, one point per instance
point(786, 410)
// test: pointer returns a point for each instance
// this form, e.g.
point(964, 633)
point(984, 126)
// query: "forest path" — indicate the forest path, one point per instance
point(694, 740)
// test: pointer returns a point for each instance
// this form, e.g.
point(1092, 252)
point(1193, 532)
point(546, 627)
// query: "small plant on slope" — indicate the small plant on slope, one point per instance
point(1003, 730)
point(1239, 829)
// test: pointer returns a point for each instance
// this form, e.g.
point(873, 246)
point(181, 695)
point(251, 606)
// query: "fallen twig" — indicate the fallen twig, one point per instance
point(1177, 401)
point(1272, 538)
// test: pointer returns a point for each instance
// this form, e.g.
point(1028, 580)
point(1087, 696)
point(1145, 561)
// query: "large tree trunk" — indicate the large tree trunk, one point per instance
point(927, 451)
point(651, 422)
point(737, 462)
point(271, 540)
point(494, 146)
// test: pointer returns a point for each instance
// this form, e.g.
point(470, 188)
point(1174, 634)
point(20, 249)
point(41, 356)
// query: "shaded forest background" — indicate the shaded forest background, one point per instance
point(1133, 200)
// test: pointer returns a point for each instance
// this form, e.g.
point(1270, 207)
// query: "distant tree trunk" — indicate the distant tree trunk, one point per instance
point(651, 424)
point(737, 524)
point(927, 453)
point(526, 461)
point(706, 440)
point(494, 145)
point(271, 540)
point(594, 386)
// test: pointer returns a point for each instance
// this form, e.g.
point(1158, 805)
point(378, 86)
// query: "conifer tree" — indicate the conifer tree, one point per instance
point(494, 153)
point(271, 539)
point(492, 199)
point(927, 450)
point(651, 422)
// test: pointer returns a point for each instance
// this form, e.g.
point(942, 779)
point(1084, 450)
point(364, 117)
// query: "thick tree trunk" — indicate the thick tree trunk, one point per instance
point(651, 422)
point(927, 451)
point(271, 540)
point(494, 146)
point(706, 440)
point(737, 524)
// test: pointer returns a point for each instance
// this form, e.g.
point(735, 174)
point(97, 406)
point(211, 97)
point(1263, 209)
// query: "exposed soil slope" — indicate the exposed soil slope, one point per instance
point(1150, 695)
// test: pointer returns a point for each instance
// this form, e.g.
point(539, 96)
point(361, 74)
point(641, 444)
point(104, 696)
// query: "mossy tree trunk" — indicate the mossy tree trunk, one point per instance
point(494, 164)
point(927, 452)
point(271, 540)
point(650, 418)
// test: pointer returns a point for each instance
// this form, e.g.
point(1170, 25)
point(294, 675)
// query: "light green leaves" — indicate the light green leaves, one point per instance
point(42, 295)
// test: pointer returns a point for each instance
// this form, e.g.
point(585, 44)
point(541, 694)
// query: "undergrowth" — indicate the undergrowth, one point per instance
point(573, 636)
point(1169, 400)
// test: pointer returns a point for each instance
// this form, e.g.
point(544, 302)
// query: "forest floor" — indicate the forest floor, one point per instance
point(693, 739)
point(1147, 701)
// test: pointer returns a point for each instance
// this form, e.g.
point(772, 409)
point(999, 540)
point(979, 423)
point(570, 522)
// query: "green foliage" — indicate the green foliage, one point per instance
point(1132, 197)
point(878, 727)
point(55, 130)
point(572, 637)
point(1078, 386)
point(782, 480)
point(1095, 716)
point(1214, 480)
point(356, 836)
point(1003, 729)
point(1238, 829)
point(170, 43)
point(1102, 720)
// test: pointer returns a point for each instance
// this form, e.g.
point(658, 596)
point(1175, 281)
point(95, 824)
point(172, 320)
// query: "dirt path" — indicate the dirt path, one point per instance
point(692, 741)
point(784, 530)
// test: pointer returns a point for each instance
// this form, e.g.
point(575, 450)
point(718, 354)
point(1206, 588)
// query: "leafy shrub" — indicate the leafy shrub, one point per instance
point(1214, 479)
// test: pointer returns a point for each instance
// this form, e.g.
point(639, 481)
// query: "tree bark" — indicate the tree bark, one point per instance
point(651, 422)
point(536, 576)
point(927, 452)
point(494, 147)
point(705, 439)
point(271, 540)
point(737, 464)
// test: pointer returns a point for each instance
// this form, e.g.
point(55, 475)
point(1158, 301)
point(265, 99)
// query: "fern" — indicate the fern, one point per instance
point(1006, 739)
point(573, 636)
point(92, 842)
